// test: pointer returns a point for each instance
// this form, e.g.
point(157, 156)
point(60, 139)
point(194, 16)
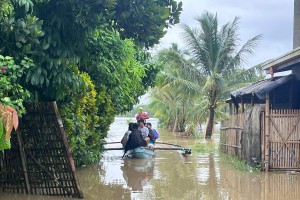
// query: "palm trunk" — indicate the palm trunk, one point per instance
point(182, 123)
point(210, 123)
point(175, 128)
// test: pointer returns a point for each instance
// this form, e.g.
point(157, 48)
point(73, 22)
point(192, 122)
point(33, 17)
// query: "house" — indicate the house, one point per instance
point(264, 126)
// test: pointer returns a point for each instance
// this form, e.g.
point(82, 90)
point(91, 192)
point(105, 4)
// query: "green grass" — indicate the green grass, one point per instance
point(205, 147)
point(236, 163)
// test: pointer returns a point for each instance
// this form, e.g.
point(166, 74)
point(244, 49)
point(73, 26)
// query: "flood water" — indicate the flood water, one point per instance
point(171, 176)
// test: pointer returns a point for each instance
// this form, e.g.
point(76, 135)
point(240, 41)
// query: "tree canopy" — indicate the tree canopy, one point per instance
point(87, 55)
point(146, 21)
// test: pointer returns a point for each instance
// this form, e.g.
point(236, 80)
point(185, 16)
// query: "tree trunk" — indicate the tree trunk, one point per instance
point(175, 128)
point(210, 123)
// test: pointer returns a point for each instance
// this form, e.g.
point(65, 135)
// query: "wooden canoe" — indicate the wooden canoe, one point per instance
point(141, 153)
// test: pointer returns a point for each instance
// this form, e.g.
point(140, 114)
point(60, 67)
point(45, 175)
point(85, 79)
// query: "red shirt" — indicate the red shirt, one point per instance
point(143, 115)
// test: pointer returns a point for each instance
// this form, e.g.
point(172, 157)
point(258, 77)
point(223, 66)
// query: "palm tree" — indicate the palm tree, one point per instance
point(167, 107)
point(217, 57)
point(175, 87)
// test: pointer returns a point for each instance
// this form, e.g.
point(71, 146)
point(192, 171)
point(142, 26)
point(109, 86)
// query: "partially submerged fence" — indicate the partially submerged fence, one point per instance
point(231, 133)
point(270, 137)
point(39, 161)
point(282, 136)
point(241, 135)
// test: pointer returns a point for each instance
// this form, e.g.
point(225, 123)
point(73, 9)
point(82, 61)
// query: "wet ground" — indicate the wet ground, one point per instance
point(171, 176)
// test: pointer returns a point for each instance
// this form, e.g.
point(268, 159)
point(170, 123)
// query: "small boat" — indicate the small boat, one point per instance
point(141, 153)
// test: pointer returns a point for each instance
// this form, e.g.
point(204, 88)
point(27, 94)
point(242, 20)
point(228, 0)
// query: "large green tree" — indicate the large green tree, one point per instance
point(146, 21)
point(217, 55)
point(82, 54)
point(54, 34)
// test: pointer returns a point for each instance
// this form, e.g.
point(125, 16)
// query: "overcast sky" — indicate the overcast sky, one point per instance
point(271, 18)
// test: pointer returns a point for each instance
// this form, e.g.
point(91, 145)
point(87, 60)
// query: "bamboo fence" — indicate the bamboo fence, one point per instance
point(280, 138)
point(230, 135)
point(284, 139)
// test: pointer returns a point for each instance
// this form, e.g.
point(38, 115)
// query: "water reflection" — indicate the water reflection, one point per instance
point(268, 186)
point(96, 187)
point(138, 173)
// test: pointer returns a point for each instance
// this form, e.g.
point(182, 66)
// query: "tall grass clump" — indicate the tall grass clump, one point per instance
point(205, 147)
point(236, 163)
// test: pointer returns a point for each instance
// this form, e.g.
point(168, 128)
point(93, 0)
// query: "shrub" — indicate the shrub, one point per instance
point(81, 122)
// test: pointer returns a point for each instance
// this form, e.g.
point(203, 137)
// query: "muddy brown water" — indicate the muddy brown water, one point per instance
point(171, 176)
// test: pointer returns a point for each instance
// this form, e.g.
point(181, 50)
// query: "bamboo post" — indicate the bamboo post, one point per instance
point(230, 108)
point(252, 100)
point(237, 109)
point(155, 148)
point(267, 132)
point(170, 144)
point(236, 150)
point(23, 160)
point(262, 137)
point(242, 105)
point(66, 145)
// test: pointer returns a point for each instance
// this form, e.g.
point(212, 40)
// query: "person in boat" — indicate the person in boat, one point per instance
point(126, 135)
point(153, 135)
point(141, 115)
point(143, 128)
point(135, 139)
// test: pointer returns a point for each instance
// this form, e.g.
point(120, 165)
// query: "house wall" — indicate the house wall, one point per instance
point(286, 96)
point(281, 97)
point(296, 71)
point(296, 95)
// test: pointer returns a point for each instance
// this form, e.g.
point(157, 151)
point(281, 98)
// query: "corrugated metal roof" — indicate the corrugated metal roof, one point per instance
point(260, 88)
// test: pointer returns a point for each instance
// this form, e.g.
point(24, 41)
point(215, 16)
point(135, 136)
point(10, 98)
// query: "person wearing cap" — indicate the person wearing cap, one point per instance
point(141, 115)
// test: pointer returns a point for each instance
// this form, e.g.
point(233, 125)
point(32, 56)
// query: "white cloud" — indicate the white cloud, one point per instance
point(271, 18)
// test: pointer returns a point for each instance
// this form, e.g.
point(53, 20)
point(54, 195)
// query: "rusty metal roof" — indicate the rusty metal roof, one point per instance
point(262, 87)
